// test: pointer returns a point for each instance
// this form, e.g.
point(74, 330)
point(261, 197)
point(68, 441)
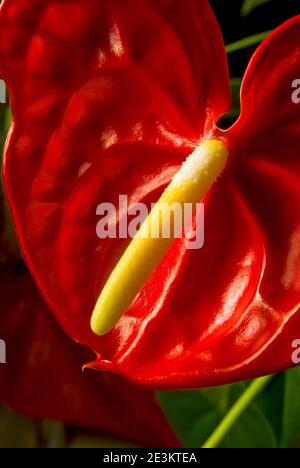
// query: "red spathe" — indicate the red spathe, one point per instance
point(111, 102)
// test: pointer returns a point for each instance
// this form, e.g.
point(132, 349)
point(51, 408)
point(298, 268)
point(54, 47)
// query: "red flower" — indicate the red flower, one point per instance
point(111, 102)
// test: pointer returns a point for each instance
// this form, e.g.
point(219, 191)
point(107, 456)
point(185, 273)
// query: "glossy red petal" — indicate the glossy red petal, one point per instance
point(198, 302)
point(215, 328)
point(109, 103)
point(265, 146)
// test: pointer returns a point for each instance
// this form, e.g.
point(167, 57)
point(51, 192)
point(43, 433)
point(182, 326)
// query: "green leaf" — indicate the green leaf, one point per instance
point(246, 42)
point(271, 404)
point(249, 5)
point(195, 414)
point(7, 119)
point(251, 431)
point(17, 431)
point(53, 433)
point(291, 414)
point(91, 441)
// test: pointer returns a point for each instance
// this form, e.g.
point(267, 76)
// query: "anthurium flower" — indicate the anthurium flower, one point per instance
point(42, 377)
point(112, 102)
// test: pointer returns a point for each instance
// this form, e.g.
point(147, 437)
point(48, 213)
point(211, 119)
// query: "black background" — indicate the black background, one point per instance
point(263, 18)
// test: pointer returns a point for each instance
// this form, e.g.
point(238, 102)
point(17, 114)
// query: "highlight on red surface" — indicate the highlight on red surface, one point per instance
point(43, 377)
point(113, 104)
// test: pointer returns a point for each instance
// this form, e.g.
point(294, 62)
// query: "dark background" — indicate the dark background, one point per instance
point(262, 18)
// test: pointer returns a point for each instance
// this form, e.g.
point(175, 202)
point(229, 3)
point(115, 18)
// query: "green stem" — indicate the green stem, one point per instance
point(247, 42)
point(236, 411)
point(250, 5)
